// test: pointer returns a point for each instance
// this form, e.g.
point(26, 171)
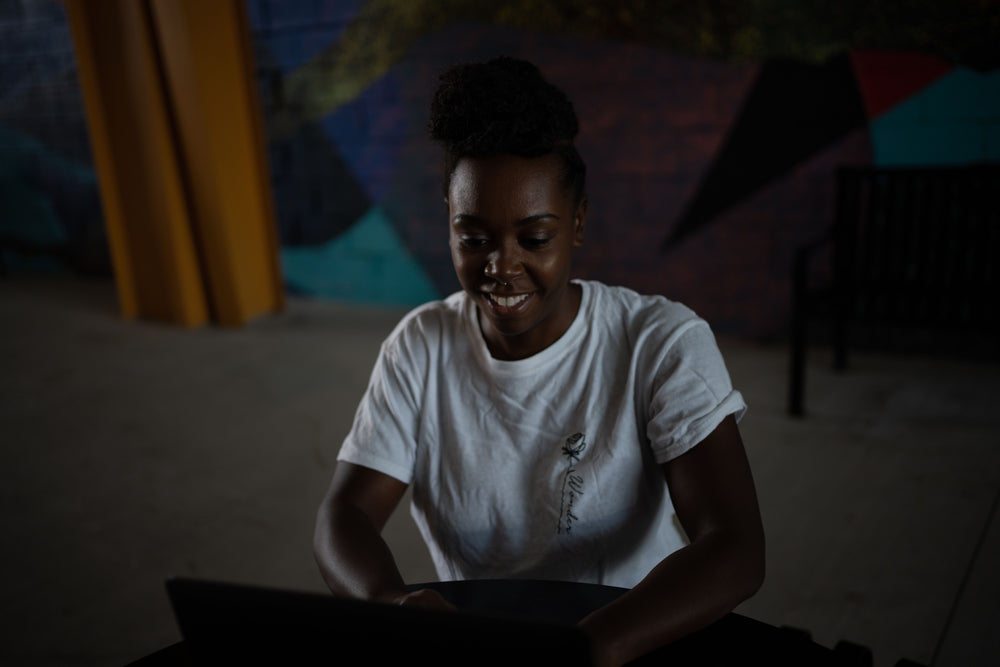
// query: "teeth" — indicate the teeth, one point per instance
point(508, 301)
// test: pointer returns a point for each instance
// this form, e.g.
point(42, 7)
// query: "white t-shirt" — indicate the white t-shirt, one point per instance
point(545, 467)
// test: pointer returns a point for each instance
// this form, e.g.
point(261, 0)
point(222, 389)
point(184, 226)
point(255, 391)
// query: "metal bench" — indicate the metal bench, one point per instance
point(912, 249)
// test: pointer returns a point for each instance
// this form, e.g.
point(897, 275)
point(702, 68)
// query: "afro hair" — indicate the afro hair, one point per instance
point(504, 106)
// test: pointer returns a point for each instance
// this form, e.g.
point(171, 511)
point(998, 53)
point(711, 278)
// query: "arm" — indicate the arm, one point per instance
point(713, 493)
point(352, 556)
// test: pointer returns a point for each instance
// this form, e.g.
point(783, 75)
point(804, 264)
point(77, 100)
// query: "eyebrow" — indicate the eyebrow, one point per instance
point(468, 217)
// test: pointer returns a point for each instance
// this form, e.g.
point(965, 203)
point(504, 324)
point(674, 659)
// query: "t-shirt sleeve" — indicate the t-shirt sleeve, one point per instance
point(691, 393)
point(384, 434)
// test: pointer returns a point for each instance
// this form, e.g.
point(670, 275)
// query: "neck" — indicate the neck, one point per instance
point(529, 343)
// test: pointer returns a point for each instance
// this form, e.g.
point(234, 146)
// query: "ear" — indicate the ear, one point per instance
point(579, 222)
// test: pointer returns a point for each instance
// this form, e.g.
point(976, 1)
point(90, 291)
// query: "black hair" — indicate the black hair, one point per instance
point(505, 106)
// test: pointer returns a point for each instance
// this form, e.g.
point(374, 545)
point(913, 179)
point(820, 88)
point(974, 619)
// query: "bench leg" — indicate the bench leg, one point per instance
point(839, 343)
point(797, 362)
point(797, 367)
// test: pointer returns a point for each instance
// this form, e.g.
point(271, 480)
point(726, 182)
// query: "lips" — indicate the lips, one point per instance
point(507, 305)
point(508, 301)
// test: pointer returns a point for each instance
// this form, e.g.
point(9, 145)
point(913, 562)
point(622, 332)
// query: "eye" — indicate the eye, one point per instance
point(471, 242)
point(536, 242)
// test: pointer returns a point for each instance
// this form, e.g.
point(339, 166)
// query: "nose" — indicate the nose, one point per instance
point(503, 265)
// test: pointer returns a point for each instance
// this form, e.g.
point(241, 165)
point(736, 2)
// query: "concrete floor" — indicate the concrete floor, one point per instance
point(133, 451)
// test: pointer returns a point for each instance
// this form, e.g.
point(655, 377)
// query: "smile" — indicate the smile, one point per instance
point(508, 301)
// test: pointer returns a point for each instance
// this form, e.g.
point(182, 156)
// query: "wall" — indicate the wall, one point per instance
point(707, 167)
point(50, 212)
point(711, 130)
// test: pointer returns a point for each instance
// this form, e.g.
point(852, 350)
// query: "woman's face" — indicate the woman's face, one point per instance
point(513, 229)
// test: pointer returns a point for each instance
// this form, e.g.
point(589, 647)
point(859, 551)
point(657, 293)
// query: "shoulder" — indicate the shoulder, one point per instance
point(640, 316)
point(428, 326)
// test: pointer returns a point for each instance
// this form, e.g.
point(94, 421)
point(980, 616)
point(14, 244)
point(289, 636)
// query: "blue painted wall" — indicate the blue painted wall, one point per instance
point(955, 120)
point(50, 216)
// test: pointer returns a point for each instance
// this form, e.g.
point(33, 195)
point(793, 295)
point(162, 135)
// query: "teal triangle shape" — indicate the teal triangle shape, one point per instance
point(366, 264)
point(951, 122)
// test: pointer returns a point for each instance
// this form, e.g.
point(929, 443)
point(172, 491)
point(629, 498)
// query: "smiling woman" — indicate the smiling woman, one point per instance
point(550, 428)
point(514, 184)
point(513, 230)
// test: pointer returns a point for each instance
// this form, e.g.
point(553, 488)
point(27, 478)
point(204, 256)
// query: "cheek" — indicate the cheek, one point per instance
point(464, 269)
point(557, 265)
point(548, 272)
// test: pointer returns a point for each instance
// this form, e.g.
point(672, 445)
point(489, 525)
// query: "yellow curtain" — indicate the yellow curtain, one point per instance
point(177, 140)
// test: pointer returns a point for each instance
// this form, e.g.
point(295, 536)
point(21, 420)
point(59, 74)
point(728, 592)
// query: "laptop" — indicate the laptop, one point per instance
point(228, 623)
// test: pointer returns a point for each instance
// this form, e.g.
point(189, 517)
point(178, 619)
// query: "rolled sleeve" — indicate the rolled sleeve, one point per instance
point(692, 393)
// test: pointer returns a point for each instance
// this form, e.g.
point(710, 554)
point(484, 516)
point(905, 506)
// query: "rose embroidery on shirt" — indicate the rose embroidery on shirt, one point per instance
point(572, 486)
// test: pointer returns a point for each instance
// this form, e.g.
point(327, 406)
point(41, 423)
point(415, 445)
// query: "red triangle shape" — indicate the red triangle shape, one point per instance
point(886, 78)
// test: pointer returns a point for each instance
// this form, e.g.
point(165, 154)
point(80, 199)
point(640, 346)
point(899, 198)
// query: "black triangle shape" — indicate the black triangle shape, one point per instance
point(793, 111)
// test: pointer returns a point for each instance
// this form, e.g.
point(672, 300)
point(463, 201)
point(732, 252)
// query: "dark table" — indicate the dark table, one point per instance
point(733, 640)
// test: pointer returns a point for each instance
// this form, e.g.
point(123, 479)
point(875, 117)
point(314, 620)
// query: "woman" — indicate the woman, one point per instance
point(551, 428)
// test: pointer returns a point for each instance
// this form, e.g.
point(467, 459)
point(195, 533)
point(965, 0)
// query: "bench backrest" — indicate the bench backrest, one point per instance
point(918, 245)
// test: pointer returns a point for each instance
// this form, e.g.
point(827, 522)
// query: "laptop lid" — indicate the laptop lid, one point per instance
point(223, 623)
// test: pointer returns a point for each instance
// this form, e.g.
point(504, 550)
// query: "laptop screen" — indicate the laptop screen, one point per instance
point(223, 623)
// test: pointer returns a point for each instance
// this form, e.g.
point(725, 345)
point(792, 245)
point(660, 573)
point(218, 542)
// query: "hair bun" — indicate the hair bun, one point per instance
point(501, 106)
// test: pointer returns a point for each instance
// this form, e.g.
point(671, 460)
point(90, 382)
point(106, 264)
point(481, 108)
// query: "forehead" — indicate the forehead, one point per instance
point(503, 182)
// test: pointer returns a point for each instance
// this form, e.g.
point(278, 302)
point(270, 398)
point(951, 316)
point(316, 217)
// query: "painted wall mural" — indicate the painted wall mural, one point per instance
point(50, 211)
point(711, 129)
